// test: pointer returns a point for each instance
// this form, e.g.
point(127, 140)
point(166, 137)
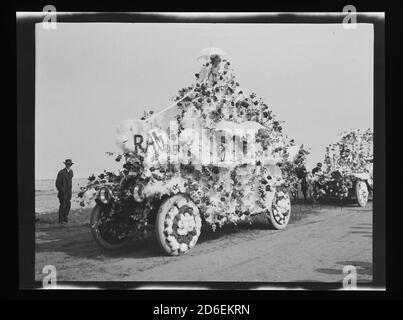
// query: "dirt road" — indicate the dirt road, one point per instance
point(316, 245)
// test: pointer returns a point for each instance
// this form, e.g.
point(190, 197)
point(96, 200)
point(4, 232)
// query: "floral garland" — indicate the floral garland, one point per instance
point(222, 195)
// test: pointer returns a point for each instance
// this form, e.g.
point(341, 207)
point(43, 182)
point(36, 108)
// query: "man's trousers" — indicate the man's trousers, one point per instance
point(64, 208)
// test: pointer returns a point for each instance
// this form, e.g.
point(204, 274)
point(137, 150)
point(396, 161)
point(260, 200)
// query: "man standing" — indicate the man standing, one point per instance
point(64, 186)
point(302, 176)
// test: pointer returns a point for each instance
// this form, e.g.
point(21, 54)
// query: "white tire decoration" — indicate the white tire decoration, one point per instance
point(361, 192)
point(178, 225)
point(280, 210)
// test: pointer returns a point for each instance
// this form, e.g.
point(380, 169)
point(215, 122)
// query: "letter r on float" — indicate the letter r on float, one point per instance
point(138, 140)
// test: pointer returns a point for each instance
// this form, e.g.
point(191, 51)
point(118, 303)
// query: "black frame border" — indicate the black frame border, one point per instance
point(26, 133)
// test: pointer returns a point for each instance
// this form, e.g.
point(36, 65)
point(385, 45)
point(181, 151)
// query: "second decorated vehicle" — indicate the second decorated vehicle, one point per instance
point(348, 172)
point(216, 155)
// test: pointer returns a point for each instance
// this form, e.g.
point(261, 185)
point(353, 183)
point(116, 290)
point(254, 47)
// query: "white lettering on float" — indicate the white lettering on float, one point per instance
point(227, 145)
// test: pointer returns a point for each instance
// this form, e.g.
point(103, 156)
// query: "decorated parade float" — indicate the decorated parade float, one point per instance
point(216, 155)
point(348, 169)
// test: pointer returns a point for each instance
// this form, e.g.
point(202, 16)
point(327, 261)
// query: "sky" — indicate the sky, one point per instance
point(90, 77)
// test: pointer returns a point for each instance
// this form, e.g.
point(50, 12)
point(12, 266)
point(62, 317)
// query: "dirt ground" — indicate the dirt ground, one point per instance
point(319, 241)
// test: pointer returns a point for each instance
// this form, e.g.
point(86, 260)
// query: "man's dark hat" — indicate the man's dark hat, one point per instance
point(68, 161)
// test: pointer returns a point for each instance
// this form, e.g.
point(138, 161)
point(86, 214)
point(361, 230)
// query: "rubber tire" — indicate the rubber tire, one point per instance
point(357, 192)
point(95, 214)
point(160, 221)
point(273, 221)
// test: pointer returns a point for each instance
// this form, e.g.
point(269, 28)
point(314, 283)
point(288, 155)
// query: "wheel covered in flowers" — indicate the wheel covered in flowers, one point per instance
point(178, 225)
point(318, 189)
point(361, 193)
point(108, 232)
point(280, 211)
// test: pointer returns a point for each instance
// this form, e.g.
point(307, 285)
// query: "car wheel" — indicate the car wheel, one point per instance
point(361, 193)
point(178, 225)
point(107, 233)
point(280, 211)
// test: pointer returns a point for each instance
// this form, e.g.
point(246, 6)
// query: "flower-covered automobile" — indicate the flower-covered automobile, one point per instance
point(215, 156)
point(348, 170)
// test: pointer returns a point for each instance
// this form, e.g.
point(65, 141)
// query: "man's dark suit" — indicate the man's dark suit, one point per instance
point(64, 186)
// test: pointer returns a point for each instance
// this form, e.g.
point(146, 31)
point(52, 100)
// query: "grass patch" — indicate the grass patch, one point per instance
point(76, 217)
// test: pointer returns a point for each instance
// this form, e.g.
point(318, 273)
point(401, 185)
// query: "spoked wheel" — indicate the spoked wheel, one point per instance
point(107, 232)
point(280, 210)
point(178, 225)
point(361, 192)
point(318, 191)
